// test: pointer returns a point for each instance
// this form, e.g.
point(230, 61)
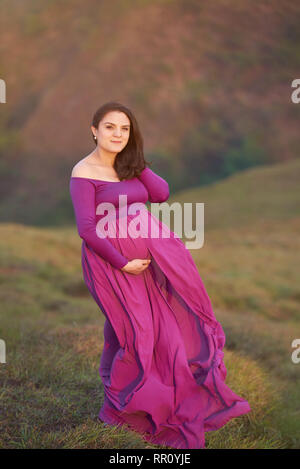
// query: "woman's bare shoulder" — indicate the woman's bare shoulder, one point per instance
point(82, 168)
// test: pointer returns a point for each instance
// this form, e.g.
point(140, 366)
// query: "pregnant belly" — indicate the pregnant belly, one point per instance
point(131, 236)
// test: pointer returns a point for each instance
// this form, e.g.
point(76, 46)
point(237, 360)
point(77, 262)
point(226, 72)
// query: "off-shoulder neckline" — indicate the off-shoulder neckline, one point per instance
point(103, 180)
point(100, 180)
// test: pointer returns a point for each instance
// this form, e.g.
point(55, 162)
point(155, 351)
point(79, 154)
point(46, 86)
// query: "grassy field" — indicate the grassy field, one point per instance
point(51, 392)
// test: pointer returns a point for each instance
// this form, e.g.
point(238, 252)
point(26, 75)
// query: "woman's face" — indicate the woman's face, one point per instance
point(113, 131)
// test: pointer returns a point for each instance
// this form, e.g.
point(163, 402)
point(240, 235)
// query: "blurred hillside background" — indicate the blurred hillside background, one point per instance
point(210, 84)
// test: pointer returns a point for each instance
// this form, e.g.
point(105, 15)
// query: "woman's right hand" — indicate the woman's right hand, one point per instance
point(136, 266)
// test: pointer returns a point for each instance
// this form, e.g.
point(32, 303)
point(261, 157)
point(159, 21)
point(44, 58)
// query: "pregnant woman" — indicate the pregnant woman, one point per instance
point(162, 362)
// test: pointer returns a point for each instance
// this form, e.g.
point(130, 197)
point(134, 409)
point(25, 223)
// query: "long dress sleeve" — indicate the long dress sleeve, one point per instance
point(157, 187)
point(83, 198)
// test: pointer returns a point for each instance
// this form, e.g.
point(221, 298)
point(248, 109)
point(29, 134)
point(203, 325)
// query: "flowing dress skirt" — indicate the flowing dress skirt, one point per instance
point(162, 362)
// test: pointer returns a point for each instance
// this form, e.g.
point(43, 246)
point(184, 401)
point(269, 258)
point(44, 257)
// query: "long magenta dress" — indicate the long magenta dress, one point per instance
point(162, 362)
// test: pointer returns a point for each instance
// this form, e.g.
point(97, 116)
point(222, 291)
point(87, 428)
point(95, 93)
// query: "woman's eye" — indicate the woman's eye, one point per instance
point(109, 127)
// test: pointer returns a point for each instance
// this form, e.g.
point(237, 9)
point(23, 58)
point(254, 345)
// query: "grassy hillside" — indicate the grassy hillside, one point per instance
point(258, 195)
point(50, 388)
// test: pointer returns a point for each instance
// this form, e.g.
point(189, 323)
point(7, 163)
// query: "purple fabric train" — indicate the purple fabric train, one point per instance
point(162, 362)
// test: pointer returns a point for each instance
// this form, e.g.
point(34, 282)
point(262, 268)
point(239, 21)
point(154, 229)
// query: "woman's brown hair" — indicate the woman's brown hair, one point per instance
point(130, 162)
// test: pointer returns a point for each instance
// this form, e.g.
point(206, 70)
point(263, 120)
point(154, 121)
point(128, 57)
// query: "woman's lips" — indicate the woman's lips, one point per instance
point(116, 141)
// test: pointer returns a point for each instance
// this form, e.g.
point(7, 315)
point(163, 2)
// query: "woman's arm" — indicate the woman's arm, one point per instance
point(83, 198)
point(157, 187)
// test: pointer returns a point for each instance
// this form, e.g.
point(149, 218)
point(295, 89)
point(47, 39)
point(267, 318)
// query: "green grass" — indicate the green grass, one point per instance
point(51, 392)
point(261, 194)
